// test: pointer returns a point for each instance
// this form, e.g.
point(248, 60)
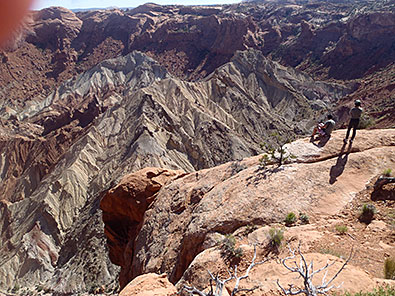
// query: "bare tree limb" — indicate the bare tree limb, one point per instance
point(306, 271)
point(220, 284)
point(325, 285)
point(192, 291)
point(252, 264)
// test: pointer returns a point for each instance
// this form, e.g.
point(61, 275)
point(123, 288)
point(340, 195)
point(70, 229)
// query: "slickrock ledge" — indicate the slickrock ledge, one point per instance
point(190, 211)
point(321, 150)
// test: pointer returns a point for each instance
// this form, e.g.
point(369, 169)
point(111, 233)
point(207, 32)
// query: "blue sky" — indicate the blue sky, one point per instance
point(71, 4)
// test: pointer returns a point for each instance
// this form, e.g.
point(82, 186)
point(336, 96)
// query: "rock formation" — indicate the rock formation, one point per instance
point(149, 285)
point(329, 40)
point(80, 108)
point(60, 152)
point(124, 207)
point(190, 212)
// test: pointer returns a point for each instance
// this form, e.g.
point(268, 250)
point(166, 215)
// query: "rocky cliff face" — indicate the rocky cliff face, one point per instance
point(189, 216)
point(52, 232)
point(79, 109)
point(332, 40)
point(60, 152)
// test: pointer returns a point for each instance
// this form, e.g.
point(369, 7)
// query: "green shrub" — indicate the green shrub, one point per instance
point(238, 253)
point(367, 213)
point(382, 291)
point(228, 249)
point(341, 229)
point(304, 218)
point(389, 269)
point(276, 237)
point(264, 160)
point(290, 219)
point(387, 172)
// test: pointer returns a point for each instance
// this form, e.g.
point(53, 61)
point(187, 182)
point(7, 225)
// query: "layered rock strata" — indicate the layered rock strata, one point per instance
point(59, 153)
point(328, 40)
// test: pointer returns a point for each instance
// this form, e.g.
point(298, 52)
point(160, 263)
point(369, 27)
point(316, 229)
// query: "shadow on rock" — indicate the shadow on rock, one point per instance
point(322, 141)
point(262, 173)
point(338, 168)
point(384, 189)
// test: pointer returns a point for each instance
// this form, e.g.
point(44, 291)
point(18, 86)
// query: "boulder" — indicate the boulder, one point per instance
point(150, 284)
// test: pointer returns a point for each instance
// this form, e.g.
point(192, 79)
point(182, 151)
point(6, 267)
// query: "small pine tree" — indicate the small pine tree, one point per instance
point(276, 153)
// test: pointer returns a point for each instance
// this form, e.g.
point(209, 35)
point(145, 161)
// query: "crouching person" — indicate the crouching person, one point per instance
point(324, 129)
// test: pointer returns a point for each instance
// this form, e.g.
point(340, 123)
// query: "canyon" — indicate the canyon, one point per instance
point(130, 139)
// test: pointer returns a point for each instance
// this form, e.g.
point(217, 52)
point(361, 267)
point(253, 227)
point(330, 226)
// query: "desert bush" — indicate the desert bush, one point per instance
point(367, 213)
point(382, 291)
point(264, 160)
point(341, 229)
point(304, 218)
point(276, 237)
point(387, 172)
point(290, 219)
point(228, 249)
point(389, 269)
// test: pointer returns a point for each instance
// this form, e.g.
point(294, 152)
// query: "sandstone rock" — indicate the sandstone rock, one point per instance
point(265, 276)
point(67, 138)
point(353, 278)
point(321, 150)
point(377, 226)
point(55, 27)
point(123, 209)
point(385, 246)
point(215, 200)
point(197, 272)
point(149, 285)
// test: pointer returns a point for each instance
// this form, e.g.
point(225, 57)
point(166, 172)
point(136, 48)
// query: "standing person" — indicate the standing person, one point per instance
point(324, 129)
point(354, 121)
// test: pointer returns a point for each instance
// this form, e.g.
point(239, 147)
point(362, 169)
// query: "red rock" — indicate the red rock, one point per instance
point(123, 209)
point(149, 284)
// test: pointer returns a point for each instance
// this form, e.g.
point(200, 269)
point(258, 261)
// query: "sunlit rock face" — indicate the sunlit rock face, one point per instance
point(329, 40)
point(190, 215)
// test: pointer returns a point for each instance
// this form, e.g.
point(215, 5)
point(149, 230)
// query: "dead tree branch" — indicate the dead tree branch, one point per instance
point(306, 271)
point(220, 283)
